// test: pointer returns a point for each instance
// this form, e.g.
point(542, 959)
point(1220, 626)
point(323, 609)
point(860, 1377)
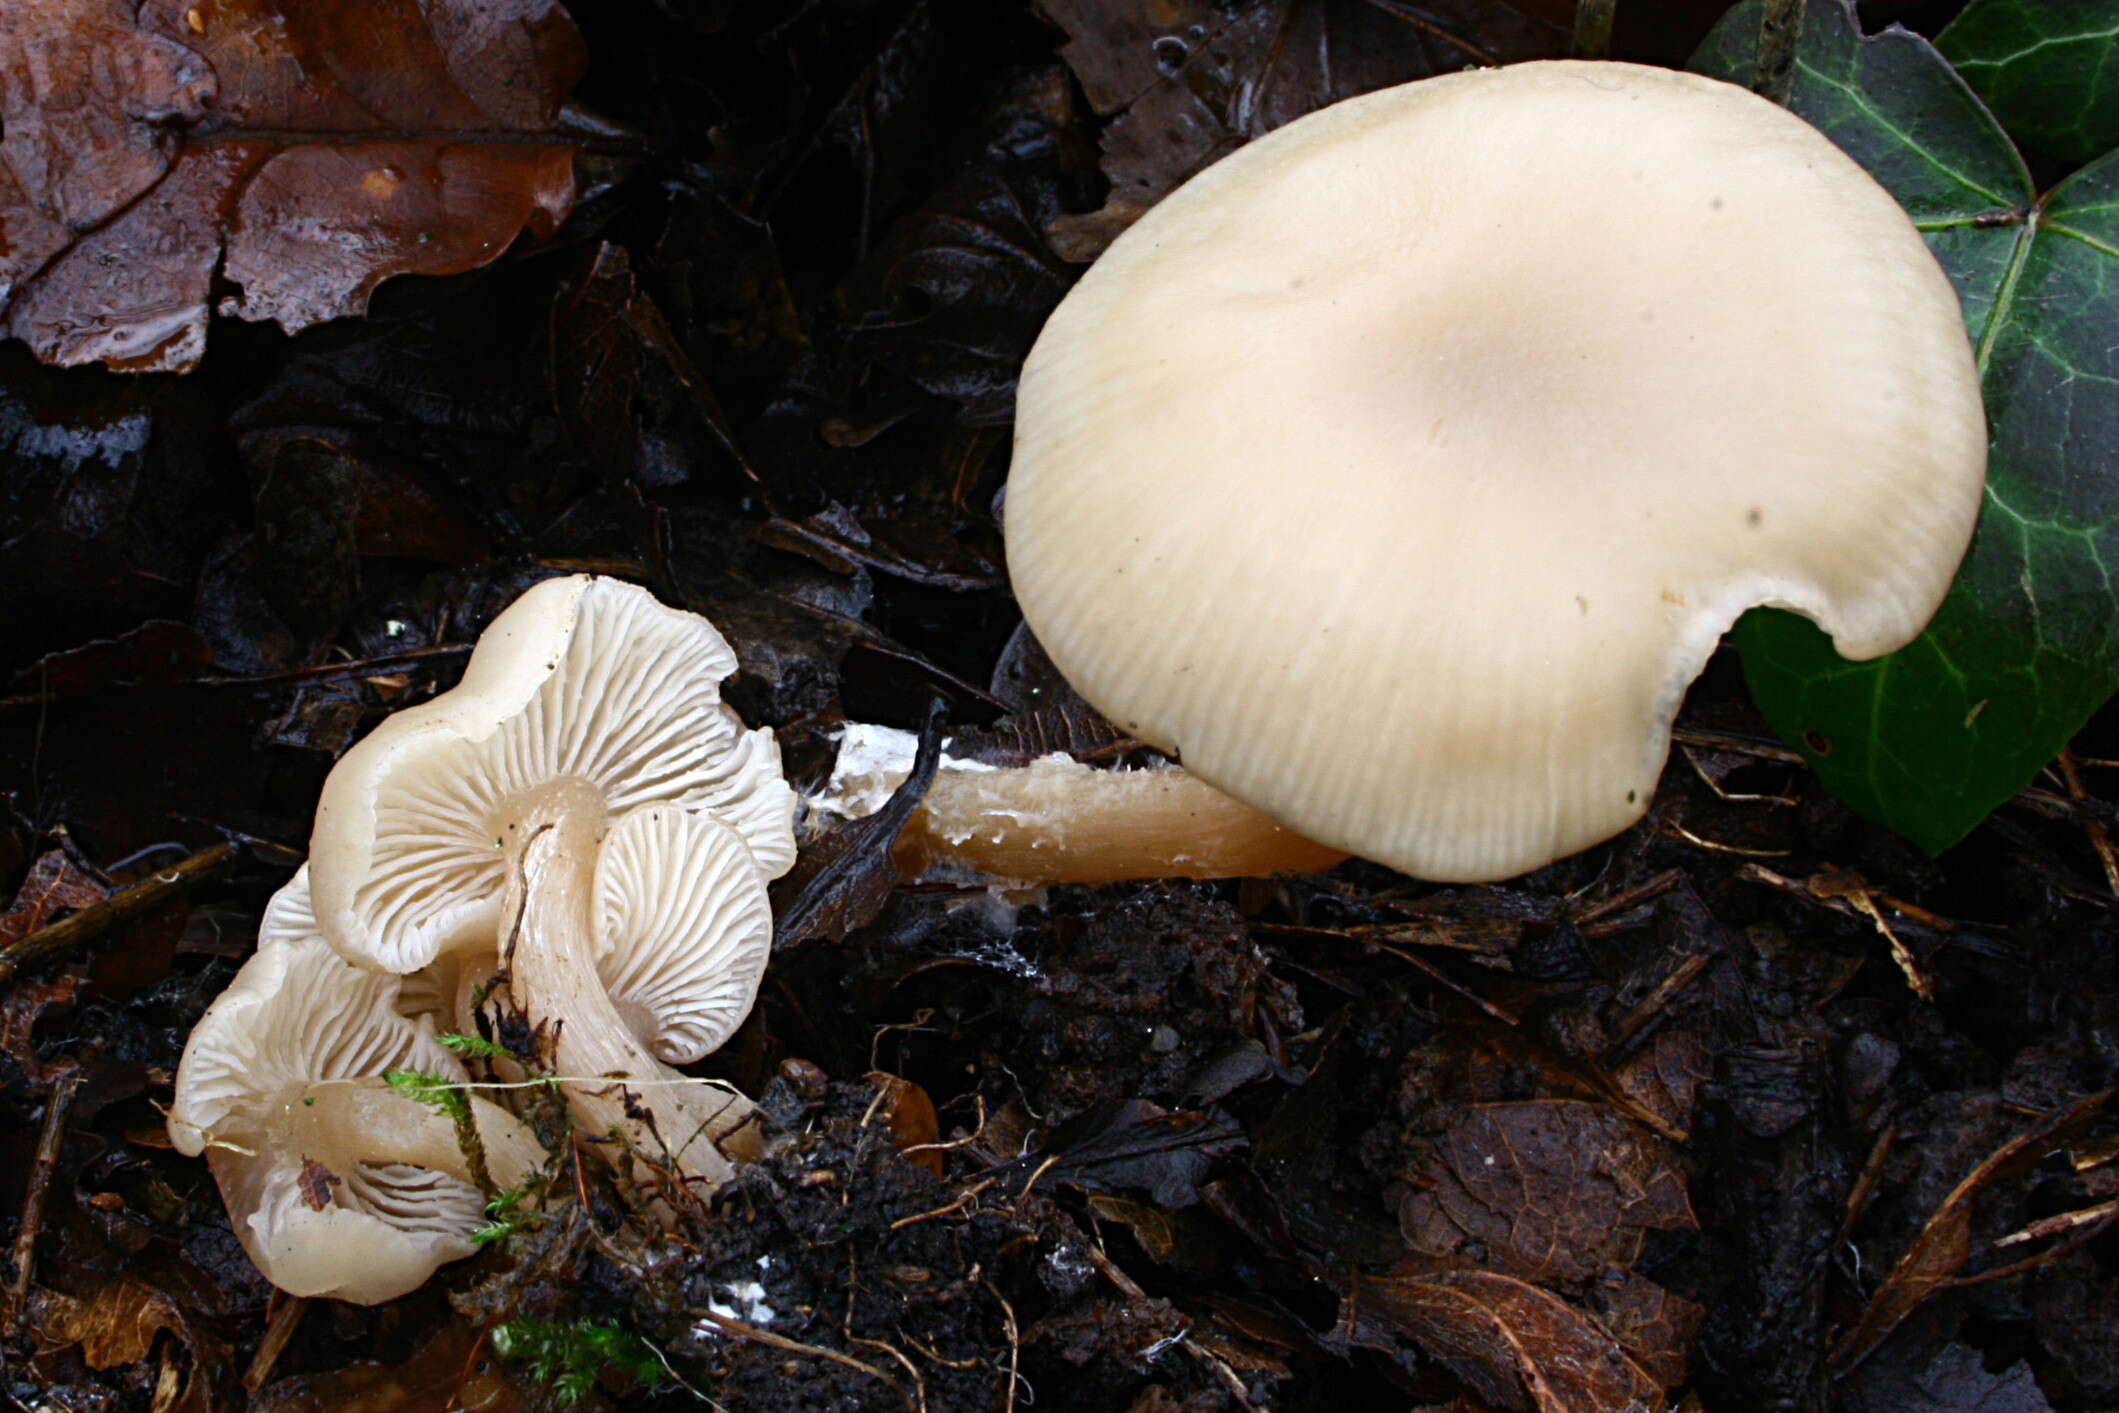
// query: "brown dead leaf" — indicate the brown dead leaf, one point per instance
point(1549, 1190)
point(1664, 1075)
point(316, 1183)
point(1655, 1326)
point(56, 885)
point(445, 1373)
point(910, 1115)
point(1192, 80)
point(116, 1325)
point(304, 151)
point(1518, 1347)
point(24, 1002)
point(1945, 1243)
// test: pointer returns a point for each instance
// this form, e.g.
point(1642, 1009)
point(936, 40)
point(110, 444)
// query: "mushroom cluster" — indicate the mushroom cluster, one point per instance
point(1400, 471)
point(580, 826)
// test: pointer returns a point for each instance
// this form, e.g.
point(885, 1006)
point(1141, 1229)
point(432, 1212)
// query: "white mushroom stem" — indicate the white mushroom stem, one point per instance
point(549, 954)
point(341, 1122)
point(1057, 820)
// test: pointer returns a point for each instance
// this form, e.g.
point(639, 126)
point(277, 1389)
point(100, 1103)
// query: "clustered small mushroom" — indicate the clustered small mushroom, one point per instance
point(1400, 471)
point(581, 823)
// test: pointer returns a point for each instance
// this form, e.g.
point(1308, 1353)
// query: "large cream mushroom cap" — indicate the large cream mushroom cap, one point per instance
point(585, 688)
point(1401, 470)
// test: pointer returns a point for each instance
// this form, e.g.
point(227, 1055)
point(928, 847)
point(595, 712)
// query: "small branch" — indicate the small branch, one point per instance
point(1780, 33)
point(741, 1329)
point(49, 1140)
point(278, 1330)
point(2093, 829)
point(1593, 27)
point(122, 906)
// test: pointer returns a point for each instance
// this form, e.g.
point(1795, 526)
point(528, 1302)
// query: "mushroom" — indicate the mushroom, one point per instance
point(335, 1184)
point(1056, 819)
point(674, 905)
point(480, 818)
point(1399, 472)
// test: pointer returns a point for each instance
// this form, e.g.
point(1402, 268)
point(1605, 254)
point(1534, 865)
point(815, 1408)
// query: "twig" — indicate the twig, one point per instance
point(1648, 1007)
point(1593, 27)
point(1405, 14)
point(963, 1198)
point(742, 1329)
point(1864, 1187)
point(1108, 1268)
point(1735, 745)
point(1676, 830)
point(49, 1140)
point(122, 906)
point(286, 1316)
point(2099, 836)
point(1015, 1343)
point(2066, 1221)
point(1844, 892)
point(1436, 974)
point(1627, 898)
point(967, 1140)
point(1780, 33)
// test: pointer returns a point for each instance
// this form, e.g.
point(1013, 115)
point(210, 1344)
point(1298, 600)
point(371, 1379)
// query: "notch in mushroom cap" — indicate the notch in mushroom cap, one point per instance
point(585, 695)
point(334, 1184)
point(1401, 470)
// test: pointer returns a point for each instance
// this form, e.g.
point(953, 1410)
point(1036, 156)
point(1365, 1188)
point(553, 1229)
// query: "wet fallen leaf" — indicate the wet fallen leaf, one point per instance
point(57, 884)
point(446, 1372)
point(115, 1325)
point(1945, 1242)
point(1548, 1190)
point(1141, 1145)
point(316, 1183)
point(1655, 1326)
point(1953, 1380)
point(304, 152)
point(1518, 1347)
point(841, 882)
point(910, 1116)
point(20, 1008)
point(1191, 80)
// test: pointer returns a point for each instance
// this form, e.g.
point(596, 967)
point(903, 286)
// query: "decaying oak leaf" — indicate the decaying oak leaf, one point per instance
point(114, 1325)
point(56, 885)
point(1516, 1346)
point(1191, 80)
point(305, 150)
point(1549, 1190)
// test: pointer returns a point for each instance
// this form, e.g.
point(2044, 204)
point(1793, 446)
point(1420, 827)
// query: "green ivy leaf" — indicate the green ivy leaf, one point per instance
point(2048, 68)
point(1930, 739)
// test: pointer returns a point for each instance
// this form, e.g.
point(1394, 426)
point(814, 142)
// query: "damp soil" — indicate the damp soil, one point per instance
point(1752, 1107)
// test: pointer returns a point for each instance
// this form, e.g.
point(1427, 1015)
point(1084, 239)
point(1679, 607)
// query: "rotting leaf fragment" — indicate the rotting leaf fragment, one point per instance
point(306, 152)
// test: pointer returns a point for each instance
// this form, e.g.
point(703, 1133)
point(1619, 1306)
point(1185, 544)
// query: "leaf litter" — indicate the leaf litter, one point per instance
point(1660, 1126)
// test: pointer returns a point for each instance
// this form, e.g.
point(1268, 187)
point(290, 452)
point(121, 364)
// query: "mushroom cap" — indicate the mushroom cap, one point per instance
point(586, 684)
point(1401, 470)
point(297, 1015)
point(684, 929)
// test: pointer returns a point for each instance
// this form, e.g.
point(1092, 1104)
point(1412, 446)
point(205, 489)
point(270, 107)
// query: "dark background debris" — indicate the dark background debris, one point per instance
point(1667, 1119)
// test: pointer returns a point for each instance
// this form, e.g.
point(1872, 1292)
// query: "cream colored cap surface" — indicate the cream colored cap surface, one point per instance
point(1401, 470)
